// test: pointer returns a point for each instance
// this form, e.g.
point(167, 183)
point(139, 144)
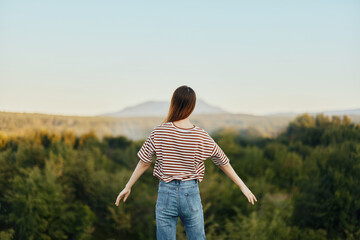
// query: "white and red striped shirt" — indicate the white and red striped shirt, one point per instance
point(180, 152)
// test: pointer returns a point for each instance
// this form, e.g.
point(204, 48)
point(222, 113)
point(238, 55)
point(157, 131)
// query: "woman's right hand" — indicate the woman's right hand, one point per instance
point(232, 174)
point(248, 194)
point(124, 193)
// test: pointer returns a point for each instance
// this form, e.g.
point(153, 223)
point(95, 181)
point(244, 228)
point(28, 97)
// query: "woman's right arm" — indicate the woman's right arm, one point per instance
point(222, 161)
point(228, 169)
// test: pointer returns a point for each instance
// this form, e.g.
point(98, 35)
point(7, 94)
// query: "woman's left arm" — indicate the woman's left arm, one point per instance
point(139, 170)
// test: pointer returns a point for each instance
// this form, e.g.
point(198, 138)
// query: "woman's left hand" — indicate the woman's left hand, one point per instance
point(124, 193)
point(248, 194)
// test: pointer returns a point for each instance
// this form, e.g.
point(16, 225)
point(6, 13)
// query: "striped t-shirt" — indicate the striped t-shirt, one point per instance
point(180, 152)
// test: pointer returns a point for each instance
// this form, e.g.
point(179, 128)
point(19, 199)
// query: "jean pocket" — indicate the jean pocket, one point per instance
point(162, 200)
point(194, 201)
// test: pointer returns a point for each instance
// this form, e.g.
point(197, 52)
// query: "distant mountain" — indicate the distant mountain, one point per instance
point(161, 108)
point(287, 114)
point(330, 113)
point(342, 112)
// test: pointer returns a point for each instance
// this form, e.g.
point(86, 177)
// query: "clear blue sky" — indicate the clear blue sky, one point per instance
point(92, 57)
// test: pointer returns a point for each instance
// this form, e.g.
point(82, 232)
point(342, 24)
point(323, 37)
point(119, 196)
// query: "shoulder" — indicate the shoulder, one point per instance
point(206, 135)
point(161, 126)
point(203, 133)
point(201, 130)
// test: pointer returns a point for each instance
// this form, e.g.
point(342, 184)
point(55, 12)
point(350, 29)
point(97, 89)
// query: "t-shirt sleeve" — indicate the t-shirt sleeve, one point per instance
point(147, 150)
point(217, 155)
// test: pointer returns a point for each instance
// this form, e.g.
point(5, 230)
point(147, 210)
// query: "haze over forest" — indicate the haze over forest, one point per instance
point(135, 122)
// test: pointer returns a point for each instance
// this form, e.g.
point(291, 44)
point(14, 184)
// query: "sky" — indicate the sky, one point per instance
point(255, 57)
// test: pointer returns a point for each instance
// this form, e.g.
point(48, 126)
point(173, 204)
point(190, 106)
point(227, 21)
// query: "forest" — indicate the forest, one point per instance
point(306, 180)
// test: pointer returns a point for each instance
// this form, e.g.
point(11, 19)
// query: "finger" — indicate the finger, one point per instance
point(118, 199)
point(253, 196)
point(126, 196)
point(252, 200)
point(249, 199)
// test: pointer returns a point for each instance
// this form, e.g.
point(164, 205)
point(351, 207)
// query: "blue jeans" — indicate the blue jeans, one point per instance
point(179, 199)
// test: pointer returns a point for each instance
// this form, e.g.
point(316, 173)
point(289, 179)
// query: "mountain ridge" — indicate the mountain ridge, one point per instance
point(154, 108)
point(161, 108)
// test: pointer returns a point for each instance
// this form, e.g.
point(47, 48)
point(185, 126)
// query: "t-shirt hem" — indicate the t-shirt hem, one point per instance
point(170, 179)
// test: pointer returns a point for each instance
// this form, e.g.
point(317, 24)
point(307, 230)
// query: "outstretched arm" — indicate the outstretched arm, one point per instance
point(237, 180)
point(139, 170)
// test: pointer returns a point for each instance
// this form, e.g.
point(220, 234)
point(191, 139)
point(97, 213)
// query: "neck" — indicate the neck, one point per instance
point(185, 123)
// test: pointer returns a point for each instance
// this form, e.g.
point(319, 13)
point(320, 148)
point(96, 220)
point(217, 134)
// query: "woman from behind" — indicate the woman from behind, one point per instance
point(181, 149)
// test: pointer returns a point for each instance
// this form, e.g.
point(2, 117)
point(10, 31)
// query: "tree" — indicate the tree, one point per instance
point(38, 210)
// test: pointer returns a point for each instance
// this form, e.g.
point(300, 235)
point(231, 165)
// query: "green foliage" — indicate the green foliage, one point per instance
point(7, 235)
point(38, 210)
point(306, 180)
point(329, 190)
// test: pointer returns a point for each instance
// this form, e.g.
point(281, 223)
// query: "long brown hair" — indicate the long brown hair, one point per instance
point(182, 104)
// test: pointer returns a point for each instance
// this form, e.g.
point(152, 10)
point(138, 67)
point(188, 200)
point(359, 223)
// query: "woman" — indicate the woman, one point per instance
point(181, 149)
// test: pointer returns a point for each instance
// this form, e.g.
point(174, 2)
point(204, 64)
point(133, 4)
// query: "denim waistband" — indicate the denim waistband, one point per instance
point(177, 182)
